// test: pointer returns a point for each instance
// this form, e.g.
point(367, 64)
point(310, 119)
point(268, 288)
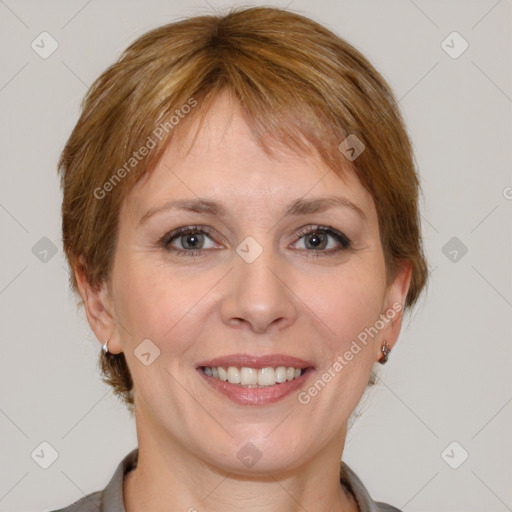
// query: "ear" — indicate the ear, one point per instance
point(98, 308)
point(393, 308)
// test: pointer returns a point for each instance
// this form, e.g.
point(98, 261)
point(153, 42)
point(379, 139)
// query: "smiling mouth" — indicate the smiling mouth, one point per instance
point(248, 377)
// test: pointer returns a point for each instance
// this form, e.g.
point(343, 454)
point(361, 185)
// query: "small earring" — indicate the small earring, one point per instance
point(105, 347)
point(385, 351)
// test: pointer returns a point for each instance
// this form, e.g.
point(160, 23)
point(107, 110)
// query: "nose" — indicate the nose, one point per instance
point(259, 296)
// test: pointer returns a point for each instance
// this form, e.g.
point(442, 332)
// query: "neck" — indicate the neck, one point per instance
point(169, 477)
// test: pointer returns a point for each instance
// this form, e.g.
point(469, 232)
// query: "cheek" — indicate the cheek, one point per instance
point(154, 303)
point(346, 304)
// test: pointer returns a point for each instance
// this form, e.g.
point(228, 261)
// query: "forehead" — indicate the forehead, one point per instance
point(221, 159)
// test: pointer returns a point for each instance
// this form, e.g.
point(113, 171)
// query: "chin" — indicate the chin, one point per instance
point(259, 454)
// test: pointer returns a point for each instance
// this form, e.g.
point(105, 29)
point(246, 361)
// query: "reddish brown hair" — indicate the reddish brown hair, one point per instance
point(298, 84)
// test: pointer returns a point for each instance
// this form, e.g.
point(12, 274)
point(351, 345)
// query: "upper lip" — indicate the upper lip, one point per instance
point(253, 361)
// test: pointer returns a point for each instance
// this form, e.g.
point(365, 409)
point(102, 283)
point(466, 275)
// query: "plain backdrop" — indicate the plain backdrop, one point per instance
point(446, 392)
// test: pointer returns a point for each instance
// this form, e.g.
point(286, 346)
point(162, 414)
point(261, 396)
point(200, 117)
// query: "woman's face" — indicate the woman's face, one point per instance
point(248, 282)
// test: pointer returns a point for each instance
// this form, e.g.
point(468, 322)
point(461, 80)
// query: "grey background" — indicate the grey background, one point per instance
point(448, 378)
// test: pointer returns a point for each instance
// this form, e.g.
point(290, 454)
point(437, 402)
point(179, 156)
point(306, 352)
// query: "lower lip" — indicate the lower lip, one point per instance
point(256, 396)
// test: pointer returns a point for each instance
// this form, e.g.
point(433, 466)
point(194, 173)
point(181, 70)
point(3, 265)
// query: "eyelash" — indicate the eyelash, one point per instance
point(342, 239)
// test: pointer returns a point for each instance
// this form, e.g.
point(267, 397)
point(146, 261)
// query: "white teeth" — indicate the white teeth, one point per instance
point(233, 375)
point(280, 374)
point(248, 376)
point(223, 374)
point(252, 377)
point(266, 377)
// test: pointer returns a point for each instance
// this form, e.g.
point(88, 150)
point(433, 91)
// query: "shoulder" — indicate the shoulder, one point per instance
point(89, 503)
point(366, 504)
point(384, 507)
point(109, 499)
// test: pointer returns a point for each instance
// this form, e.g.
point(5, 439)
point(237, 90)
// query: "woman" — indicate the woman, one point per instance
point(240, 214)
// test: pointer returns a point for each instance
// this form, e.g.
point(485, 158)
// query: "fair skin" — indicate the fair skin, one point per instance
point(286, 301)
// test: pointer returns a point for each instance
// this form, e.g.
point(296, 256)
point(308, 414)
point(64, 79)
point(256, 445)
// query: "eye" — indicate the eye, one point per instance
point(193, 241)
point(190, 239)
point(316, 240)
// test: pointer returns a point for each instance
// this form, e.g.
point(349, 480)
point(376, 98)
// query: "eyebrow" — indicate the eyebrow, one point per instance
point(298, 207)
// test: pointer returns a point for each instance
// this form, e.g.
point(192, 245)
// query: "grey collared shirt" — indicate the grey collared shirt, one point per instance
point(110, 499)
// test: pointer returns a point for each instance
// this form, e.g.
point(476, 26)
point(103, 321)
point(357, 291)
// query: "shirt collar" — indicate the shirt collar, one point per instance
point(113, 492)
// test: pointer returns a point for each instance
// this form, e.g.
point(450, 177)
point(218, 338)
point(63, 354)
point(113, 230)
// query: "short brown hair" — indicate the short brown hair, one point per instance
point(298, 84)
